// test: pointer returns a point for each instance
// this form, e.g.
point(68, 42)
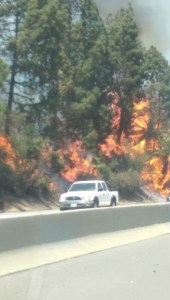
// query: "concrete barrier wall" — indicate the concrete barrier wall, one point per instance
point(52, 236)
point(36, 229)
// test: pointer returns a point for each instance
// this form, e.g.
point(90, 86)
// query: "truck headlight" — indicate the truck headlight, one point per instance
point(62, 199)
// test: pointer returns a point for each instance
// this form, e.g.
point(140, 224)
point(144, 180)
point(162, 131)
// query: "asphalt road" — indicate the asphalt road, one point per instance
point(139, 271)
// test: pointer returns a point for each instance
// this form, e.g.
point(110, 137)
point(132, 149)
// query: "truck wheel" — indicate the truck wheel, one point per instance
point(96, 203)
point(113, 201)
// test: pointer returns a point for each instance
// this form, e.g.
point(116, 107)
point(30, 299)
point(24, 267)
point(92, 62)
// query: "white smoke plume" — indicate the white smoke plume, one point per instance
point(152, 17)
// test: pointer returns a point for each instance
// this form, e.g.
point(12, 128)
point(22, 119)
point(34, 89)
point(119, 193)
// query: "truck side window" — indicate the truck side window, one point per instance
point(104, 186)
point(99, 187)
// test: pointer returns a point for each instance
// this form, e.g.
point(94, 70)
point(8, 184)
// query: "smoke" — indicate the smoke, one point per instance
point(152, 17)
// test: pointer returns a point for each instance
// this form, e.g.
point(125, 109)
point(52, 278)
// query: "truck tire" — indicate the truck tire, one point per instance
point(95, 203)
point(113, 201)
point(61, 208)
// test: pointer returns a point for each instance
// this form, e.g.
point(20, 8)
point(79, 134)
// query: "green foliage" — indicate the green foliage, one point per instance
point(2, 116)
point(9, 180)
point(102, 123)
point(122, 173)
point(21, 182)
point(155, 66)
point(38, 186)
point(164, 151)
point(127, 182)
point(157, 86)
point(3, 72)
point(87, 73)
point(28, 143)
point(126, 52)
point(11, 18)
point(126, 163)
point(56, 162)
point(126, 57)
point(104, 171)
point(90, 139)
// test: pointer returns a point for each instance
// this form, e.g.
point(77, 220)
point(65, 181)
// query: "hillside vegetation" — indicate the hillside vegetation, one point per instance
point(81, 97)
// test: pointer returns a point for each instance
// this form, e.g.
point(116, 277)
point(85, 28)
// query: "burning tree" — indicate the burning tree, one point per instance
point(126, 58)
point(143, 138)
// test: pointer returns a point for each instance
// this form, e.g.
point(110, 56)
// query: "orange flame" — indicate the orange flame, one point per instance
point(115, 109)
point(139, 126)
point(8, 150)
point(153, 174)
point(138, 144)
point(111, 146)
point(78, 162)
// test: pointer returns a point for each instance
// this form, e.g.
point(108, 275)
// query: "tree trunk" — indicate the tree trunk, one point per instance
point(12, 79)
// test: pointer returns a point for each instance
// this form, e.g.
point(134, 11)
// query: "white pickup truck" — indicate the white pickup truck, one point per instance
point(89, 193)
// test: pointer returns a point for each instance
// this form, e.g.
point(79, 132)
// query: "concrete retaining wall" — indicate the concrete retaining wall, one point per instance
point(32, 239)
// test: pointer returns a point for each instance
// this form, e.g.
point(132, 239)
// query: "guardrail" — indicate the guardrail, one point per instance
point(29, 240)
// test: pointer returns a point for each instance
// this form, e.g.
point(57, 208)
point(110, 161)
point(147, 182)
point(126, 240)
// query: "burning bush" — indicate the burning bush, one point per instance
point(21, 171)
point(77, 161)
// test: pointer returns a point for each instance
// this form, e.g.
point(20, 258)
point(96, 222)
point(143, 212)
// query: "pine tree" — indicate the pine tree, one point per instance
point(64, 50)
point(127, 58)
point(85, 105)
point(157, 86)
point(42, 45)
point(11, 17)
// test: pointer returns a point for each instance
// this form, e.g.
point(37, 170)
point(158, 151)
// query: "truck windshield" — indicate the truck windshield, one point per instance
point(82, 187)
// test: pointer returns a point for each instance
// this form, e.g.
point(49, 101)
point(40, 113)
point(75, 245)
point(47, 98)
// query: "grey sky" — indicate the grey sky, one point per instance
point(153, 17)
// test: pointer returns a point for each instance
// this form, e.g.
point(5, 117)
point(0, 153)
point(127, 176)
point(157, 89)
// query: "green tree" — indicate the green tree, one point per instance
point(157, 87)
point(84, 94)
point(11, 17)
point(64, 49)
point(127, 58)
point(42, 46)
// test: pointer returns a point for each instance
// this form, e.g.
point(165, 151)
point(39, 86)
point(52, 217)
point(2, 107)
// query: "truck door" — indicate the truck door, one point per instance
point(106, 194)
point(101, 195)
